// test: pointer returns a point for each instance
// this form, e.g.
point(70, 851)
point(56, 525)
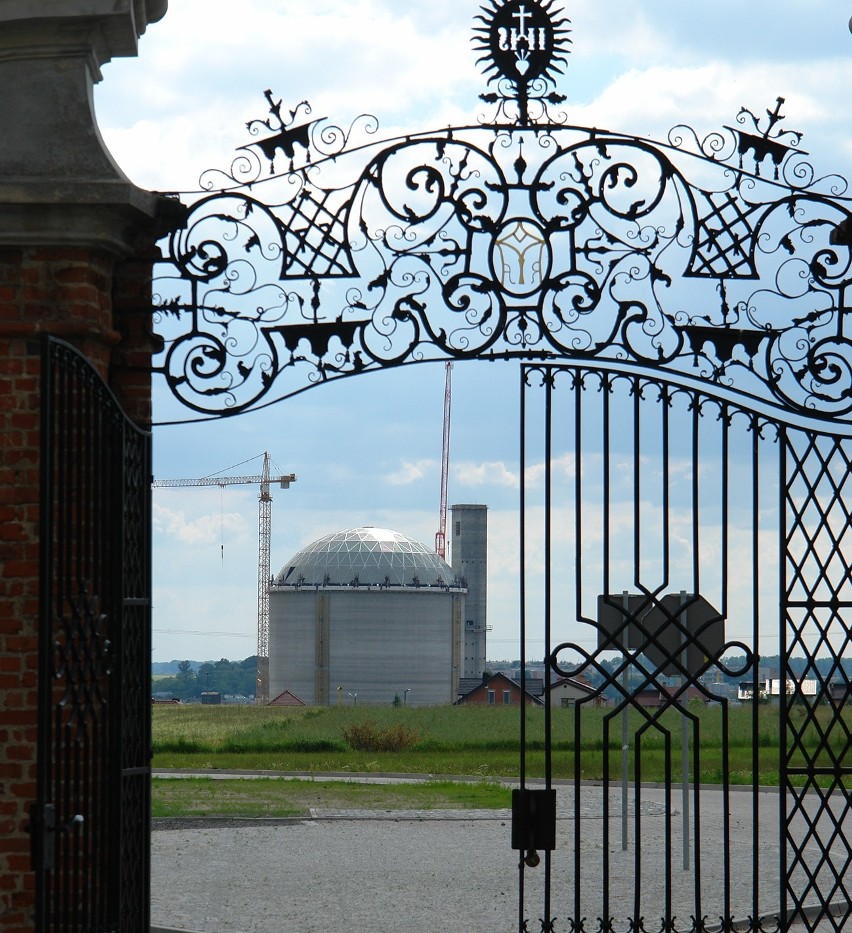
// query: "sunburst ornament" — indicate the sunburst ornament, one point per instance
point(522, 41)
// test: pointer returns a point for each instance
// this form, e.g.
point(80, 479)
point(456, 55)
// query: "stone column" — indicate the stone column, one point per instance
point(76, 244)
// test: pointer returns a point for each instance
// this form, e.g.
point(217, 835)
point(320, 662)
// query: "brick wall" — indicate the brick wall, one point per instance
point(23, 299)
point(19, 438)
point(68, 293)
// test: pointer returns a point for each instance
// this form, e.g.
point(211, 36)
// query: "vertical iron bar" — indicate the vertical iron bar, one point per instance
point(666, 479)
point(755, 759)
point(625, 742)
point(724, 704)
point(669, 869)
point(684, 740)
point(699, 913)
point(783, 449)
point(607, 474)
point(548, 606)
point(605, 886)
point(578, 377)
point(522, 726)
point(637, 485)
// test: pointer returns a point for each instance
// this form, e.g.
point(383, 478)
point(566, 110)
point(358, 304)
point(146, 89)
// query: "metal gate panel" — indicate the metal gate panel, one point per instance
point(816, 598)
point(91, 820)
point(651, 517)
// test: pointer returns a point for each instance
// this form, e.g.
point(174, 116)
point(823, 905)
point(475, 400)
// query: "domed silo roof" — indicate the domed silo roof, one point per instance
point(375, 556)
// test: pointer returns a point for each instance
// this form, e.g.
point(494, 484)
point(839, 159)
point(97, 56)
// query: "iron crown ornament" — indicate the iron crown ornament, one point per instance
point(326, 251)
point(523, 49)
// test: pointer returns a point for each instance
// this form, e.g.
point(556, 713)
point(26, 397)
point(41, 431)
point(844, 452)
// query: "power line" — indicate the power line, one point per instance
point(181, 631)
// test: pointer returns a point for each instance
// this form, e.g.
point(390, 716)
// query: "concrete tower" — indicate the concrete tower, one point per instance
point(469, 537)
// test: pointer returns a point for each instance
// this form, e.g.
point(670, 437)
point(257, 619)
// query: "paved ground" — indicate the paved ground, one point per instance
point(425, 871)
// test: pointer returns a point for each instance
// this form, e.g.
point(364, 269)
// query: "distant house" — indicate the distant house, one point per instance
point(498, 690)
point(840, 692)
point(568, 691)
point(211, 698)
point(286, 698)
point(655, 697)
point(773, 688)
point(652, 697)
point(745, 691)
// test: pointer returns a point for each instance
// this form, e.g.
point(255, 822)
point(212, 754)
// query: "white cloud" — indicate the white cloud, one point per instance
point(485, 474)
point(205, 529)
point(410, 472)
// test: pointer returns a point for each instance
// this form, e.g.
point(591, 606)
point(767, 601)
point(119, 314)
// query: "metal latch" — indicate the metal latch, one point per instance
point(42, 830)
point(533, 823)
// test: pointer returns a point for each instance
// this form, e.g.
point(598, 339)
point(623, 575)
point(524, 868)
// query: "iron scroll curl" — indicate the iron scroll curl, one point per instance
point(327, 252)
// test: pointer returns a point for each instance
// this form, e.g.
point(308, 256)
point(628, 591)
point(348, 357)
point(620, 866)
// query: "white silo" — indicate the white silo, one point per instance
point(367, 613)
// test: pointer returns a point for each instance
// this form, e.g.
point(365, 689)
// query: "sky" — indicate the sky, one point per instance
point(367, 451)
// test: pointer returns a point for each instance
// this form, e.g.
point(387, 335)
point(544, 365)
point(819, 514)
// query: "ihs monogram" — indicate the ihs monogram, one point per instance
point(522, 39)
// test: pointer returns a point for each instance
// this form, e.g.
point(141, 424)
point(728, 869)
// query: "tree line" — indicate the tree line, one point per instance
point(234, 678)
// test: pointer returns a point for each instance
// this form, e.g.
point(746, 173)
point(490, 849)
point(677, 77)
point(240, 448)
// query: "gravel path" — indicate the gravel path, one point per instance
point(424, 871)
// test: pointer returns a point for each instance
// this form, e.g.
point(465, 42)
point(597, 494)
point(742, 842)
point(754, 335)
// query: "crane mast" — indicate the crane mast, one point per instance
point(264, 535)
point(264, 538)
point(441, 534)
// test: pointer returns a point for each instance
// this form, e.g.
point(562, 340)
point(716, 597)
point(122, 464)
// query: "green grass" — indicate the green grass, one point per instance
point(277, 797)
point(483, 741)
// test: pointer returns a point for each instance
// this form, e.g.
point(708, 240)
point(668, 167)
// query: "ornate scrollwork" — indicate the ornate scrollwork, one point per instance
point(327, 252)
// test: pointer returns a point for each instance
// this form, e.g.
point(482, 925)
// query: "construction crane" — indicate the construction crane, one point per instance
point(264, 541)
point(441, 534)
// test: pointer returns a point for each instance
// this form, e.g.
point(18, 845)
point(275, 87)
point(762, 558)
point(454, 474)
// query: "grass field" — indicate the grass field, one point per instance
point(470, 741)
point(450, 741)
point(276, 797)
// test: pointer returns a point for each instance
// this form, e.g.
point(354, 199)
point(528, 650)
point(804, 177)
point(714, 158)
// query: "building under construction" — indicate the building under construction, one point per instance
point(368, 615)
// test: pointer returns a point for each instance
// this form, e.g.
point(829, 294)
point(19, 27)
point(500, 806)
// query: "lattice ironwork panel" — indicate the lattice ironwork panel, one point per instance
point(818, 539)
point(816, 765)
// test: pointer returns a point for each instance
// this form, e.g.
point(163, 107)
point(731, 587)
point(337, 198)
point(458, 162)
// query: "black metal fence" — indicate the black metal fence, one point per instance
point(91, 823)
point(687, 558)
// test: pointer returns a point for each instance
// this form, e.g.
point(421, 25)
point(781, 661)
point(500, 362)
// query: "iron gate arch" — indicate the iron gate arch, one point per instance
point(710, 269)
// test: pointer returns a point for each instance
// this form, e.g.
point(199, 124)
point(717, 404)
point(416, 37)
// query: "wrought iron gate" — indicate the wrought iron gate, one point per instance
point(679, 309)
point(677, 542)
point(91, 823)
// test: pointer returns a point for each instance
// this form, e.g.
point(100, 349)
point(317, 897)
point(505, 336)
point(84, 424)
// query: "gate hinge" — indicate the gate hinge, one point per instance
point(533, 822)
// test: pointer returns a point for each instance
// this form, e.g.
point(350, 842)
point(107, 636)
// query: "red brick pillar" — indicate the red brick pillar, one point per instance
point(76, 245)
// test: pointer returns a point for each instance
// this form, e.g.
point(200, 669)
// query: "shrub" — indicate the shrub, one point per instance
point(368, 737)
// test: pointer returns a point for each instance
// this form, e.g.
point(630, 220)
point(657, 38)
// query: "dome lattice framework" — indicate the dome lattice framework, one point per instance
point(366, 557)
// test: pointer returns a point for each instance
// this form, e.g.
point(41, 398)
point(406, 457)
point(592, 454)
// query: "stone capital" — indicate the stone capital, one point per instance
point(100, 29)
point(58, 182)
